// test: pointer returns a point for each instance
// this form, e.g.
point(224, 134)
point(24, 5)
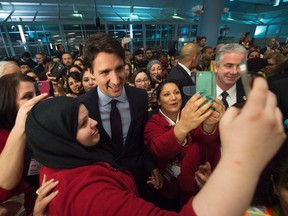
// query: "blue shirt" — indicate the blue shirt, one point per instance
point(123, 107)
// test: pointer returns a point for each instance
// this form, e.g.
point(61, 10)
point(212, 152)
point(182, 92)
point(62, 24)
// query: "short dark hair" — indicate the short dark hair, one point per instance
point(101, 42)
point(68, 54)
point(148, 49)
point(8, 96)
point(26, 54)
point(75, 66)
point(138, 52)
point(202, 37)
point(23, 63)
point(205, 48)
point(58, 46)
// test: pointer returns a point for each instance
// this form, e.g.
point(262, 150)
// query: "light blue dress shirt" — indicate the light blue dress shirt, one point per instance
point(123, 107)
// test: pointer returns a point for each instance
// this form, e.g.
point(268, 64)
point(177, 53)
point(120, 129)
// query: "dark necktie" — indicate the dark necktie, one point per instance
point(224, 96)
point(116, 125)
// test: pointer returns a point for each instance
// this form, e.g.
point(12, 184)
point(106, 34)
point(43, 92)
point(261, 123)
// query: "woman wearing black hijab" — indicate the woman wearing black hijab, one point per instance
point(90, 182)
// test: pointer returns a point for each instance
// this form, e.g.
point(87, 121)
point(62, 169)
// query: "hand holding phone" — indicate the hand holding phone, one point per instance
point(44, 86)
point(58, 71)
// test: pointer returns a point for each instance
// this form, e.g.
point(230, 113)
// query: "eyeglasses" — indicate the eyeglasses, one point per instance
point(139, 80)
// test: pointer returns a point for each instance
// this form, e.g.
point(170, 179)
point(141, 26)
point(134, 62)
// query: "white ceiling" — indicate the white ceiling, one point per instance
point(148, 11)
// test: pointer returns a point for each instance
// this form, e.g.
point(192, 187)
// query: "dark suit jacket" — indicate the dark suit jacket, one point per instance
point(240, 92)
point(263, 50)
point(280, 88)
point(133, 155)
point(240, 95)
point(178, 73)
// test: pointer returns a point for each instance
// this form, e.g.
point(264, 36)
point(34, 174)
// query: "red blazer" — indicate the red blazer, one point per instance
point(100, 189)
point(203, 151)
point(162, 143)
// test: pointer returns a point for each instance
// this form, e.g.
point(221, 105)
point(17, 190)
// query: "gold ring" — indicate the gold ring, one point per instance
point(37, 192)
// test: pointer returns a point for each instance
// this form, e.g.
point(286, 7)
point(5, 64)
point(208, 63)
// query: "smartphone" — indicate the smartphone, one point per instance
point(44, 86)
point(206, 82)
point(58, 70)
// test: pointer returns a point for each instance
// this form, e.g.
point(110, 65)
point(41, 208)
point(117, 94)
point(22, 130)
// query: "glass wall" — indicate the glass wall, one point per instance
point(44, 38)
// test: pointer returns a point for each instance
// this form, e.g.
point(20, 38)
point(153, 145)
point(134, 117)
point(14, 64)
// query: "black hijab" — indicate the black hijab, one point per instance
point(51, 129)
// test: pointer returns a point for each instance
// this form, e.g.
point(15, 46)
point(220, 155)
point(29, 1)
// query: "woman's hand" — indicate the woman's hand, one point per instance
point(196, 110)
point(45, 196)
point(25, 109)
point(203, 173)
point(209, 124)
point(50, 77)
point(156, 179)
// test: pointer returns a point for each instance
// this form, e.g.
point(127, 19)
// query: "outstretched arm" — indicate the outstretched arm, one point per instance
point(12, 156)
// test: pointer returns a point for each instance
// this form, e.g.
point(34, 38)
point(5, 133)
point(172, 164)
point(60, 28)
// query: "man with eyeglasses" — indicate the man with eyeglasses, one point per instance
point(229, 88)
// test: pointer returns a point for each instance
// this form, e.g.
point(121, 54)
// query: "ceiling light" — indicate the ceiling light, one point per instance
point(175, 16)
point(132, 15)
point(276, 3)
point(77, 15)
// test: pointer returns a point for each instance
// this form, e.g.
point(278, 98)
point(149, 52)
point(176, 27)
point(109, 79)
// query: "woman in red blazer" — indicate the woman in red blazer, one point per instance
point(170, 133)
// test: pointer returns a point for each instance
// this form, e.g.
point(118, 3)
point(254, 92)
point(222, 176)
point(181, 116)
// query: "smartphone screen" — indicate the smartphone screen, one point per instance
point(206, 82)
point(44, 86)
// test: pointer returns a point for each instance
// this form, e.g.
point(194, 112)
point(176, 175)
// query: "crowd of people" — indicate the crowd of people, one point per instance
point(118, 136)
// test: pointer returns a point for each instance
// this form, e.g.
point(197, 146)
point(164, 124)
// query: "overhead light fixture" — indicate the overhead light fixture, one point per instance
point(132, 15)
point(276, 3)
point(77, 15)
point(197, 10)
point(175, 15)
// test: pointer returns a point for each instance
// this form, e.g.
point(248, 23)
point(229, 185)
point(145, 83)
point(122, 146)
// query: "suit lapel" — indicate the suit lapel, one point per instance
point(133, 113)
point(240, 92)
point(186, 75)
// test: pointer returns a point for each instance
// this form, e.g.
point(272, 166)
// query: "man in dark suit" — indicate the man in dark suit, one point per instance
point(228, 59)
point(105, 57)
point(280, 88)
point(189, 59)
point(270, 44)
